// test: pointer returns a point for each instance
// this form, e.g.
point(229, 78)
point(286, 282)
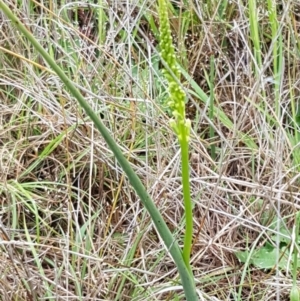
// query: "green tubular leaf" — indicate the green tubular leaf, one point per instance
point(163, 230)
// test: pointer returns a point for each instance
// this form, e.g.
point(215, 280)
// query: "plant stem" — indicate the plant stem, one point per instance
point(179, 123)
point(187, 202)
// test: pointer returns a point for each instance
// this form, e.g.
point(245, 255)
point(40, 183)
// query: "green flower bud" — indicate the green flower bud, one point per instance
point(173, 125)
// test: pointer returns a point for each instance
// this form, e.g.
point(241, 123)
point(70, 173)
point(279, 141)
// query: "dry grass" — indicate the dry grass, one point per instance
point(71, 226)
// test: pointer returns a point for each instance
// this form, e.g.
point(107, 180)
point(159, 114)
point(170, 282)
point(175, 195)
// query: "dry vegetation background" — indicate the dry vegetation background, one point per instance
point(71, 226)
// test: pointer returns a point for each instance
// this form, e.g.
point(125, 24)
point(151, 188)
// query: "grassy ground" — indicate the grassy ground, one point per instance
point(71, 226)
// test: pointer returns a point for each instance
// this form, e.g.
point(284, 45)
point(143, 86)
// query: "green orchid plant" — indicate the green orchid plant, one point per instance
point(179, 123)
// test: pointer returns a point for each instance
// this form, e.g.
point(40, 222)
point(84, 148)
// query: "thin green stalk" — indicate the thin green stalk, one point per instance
point(101, 22)
point(163, 230)
point(254, 32)
point(185, 169)
point(277, 53)
point(255, 37)
point(179, 123)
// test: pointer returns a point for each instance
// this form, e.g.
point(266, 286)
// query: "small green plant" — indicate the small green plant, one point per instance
point(266, 256)
point(179, 123)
